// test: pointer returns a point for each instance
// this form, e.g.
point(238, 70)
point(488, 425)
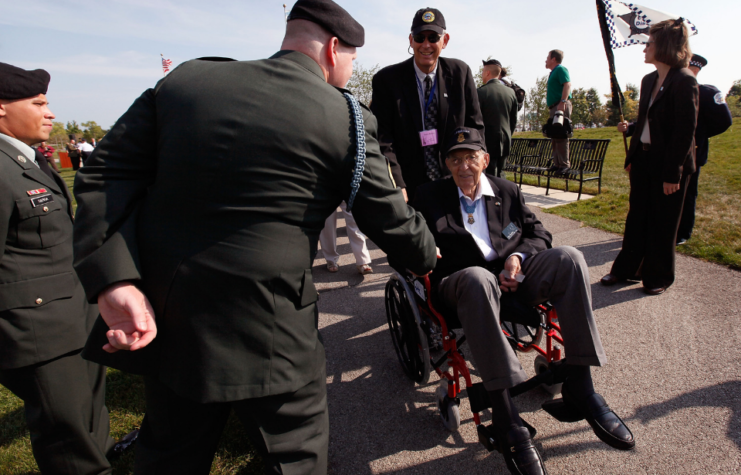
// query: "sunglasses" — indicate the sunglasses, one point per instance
point(432, 38)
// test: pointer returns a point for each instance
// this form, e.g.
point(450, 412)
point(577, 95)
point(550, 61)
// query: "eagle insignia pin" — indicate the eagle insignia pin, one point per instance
point(21, 159)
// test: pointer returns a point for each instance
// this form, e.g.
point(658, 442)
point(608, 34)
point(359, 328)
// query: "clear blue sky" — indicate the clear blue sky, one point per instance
point(104, 54)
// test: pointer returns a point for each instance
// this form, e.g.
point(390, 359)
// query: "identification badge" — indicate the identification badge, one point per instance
point(510, 231)
point(41, 200)
point(36, 192)
point(428, 137)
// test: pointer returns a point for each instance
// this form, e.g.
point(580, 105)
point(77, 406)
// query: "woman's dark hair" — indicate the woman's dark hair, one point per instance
point(672, 43)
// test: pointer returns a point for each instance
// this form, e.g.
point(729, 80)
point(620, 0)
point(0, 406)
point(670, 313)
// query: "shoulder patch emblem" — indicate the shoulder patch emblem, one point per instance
point(719, 99)
point(428, 17)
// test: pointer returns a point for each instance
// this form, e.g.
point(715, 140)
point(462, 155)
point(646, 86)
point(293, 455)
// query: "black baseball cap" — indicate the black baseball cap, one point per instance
point(698, 61)
point(17, 83)
point(332, 18)
point(428, 19)
point(465, 138)
point(491, 62)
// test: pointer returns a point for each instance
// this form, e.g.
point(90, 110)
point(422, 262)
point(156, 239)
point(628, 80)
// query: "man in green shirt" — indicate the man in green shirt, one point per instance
point(558, 99)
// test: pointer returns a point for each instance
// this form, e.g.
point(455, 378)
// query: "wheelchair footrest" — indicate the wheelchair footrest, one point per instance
point(487, 435)
point(561, 412)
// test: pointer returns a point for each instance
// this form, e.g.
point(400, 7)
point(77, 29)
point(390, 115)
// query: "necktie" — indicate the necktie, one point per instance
point(43, 164)
point(431, 154)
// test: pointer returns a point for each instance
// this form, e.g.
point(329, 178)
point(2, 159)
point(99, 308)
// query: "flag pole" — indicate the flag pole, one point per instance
point(617, 95)
point(285, 13)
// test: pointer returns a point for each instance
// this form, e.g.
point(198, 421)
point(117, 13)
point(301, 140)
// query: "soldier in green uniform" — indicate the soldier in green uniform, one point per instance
point(499, 110)
point(202, 269)
point(44, 316)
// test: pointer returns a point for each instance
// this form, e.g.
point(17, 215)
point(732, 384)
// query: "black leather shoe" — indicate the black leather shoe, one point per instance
point(605, 423)
point(123, 445)
point(520, 454)
point(608, 280)
point(654, 291)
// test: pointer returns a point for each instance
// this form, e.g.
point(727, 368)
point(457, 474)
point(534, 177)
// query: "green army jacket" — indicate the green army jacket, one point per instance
point(210, 193)
point(43, 310)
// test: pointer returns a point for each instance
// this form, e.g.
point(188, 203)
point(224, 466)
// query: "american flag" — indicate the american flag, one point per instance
point(166, 63)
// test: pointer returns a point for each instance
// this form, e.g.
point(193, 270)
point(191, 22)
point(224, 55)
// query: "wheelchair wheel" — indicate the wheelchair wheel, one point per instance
point(410, 341)
point(524, 334)
point(450, 412)
point(541, 366)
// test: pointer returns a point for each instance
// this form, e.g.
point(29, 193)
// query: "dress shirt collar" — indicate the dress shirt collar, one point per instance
point(421, 75)
point(26, 150)
point(484, 189)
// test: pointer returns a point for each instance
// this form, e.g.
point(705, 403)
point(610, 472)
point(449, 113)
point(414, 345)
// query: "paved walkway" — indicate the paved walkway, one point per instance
point(673, 373)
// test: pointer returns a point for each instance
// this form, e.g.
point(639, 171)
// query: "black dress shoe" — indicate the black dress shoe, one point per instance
point(520, 454)
point(655, 290)
point(605, 423)
point(123, 445)
point(608, 280)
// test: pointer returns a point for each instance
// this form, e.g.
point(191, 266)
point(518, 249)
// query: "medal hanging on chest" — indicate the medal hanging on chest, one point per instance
point(470, 209)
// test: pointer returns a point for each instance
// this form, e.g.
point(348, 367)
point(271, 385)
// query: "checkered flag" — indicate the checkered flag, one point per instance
point(629, 23)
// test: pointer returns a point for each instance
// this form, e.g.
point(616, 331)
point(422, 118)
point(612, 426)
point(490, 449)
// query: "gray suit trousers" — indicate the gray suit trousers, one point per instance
point(559, 275)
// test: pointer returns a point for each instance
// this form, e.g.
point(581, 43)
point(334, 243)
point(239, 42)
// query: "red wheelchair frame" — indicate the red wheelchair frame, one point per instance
point(416, 325)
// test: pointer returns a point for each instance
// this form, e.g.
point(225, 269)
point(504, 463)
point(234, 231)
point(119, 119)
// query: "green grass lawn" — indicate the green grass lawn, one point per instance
point(717, 234)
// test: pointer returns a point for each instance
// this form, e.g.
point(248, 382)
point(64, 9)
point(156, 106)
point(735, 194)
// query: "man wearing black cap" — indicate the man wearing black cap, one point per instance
point(420, 100)
point(203, 268)
point(499, 110)
point(713, 118)
point(44, 316)
point(484, 229)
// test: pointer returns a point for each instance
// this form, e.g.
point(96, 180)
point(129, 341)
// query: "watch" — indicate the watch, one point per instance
point(564, 101)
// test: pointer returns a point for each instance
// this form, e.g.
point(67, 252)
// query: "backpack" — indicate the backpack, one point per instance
point(519, 92)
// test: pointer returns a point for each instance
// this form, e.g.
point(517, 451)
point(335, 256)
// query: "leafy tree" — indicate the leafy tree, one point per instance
point(73, 128)
point(536, 108)
point(734, 103)
point(735, 90)
point(92, 130)
point(580, 113)
point(594, 104)
point(58, 134)
point(630, 106)
point(479, 77)
point(361, 83)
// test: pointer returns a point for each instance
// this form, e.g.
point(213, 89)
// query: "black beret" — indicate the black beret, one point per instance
point(332, 17)
point(428, 19)
point(698, 61)
point(17, 83)
point(465, 138)
point(491, 62)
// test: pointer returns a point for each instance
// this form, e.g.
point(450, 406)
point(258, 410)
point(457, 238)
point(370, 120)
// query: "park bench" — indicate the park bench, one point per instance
point(534, 157)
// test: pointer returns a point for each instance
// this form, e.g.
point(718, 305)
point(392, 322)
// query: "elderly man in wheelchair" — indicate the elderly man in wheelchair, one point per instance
point(492, 246)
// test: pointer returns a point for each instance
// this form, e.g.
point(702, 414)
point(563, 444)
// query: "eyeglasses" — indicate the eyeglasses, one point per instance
point(469, 159)
point(432, 38)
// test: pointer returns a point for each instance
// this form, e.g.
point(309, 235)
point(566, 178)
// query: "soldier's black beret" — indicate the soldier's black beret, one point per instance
point(17, 83)
point(332, 17)
point(491, 62)
point(698, 61)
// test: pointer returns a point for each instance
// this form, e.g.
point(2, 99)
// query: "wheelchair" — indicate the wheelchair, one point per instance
point(425, 340)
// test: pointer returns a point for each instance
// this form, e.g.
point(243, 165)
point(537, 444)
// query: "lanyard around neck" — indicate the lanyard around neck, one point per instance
point(432, 92)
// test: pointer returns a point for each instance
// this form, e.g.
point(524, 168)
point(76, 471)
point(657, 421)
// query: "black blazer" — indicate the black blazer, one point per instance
point(439, 204)
point(396, 106)
point(43, 311)
point(713, 119)
point(672, 118)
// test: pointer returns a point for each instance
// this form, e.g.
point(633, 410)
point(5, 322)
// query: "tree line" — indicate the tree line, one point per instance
point(588, 108)
point(88, 130)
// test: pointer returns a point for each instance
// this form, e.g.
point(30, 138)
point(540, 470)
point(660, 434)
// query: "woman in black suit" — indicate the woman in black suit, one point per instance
point(660, 160)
